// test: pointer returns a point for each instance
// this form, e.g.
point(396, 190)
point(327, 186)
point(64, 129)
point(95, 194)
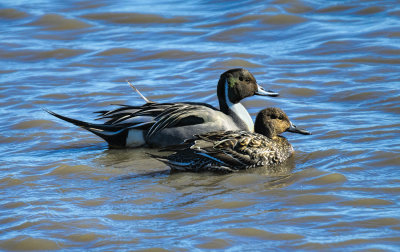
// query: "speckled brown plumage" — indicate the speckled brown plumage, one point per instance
point(228, 151)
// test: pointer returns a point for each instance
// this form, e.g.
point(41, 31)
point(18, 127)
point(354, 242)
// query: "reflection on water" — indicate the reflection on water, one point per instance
point(334, 63)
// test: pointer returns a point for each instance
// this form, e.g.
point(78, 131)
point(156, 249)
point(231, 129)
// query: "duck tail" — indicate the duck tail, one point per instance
point(140, 94)
point(163, 159)
point(114, 136)
point(176, 166)
point(174, 148)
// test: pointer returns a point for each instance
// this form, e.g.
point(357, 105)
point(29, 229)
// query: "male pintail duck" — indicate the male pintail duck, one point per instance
point(230, 151)
point(162, 124)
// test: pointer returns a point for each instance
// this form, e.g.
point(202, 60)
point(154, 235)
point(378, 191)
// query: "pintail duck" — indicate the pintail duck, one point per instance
point(161, 124)
point(230, 151)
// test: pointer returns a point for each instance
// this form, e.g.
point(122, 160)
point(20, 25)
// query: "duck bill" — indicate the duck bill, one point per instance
point(294, 129)
point(263, 92)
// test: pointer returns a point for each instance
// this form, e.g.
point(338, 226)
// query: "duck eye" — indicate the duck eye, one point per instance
point(273, 116)
point(240, 78)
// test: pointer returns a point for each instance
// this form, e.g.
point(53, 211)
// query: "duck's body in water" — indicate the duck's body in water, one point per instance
point(229, 151)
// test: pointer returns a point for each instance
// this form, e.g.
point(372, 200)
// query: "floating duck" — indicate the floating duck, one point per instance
point(230, 151)
point(161, 124)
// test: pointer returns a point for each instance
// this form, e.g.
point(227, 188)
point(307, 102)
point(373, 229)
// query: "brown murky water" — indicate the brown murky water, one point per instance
point(336, 65)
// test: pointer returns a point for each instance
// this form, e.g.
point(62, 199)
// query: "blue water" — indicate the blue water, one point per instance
point(335, 64)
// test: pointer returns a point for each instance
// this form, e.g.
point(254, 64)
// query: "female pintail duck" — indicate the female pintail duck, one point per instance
point(162, 124)
point(230, 151)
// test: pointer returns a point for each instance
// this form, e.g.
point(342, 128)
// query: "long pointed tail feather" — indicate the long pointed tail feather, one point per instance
point(114, 136)
point(85, 125)
point(163, 159)
point(140, 94)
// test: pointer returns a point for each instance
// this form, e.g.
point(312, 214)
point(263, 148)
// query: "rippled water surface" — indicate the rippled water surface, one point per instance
point(336, 65)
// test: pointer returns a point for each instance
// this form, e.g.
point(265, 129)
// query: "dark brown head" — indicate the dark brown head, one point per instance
point(237, 84)
point(271, 122)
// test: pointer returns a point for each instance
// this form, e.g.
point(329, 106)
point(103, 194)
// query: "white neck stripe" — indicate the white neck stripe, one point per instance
point(239, 110)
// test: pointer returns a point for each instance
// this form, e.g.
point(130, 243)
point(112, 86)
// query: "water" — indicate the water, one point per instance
point(336, 65)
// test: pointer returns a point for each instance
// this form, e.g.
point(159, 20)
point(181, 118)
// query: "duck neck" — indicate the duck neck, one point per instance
point(264, 129)
point(236, 110)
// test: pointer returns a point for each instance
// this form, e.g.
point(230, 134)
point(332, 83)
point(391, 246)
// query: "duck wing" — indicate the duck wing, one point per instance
point(235, 148)
point(127, 114)
point(220, 151)
point(163, 115)
point(253, 149)
point(228, 150)
point(179, 115)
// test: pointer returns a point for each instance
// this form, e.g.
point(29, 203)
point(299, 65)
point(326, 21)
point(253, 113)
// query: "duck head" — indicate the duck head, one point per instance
point(237, 84)
point(271, 122)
